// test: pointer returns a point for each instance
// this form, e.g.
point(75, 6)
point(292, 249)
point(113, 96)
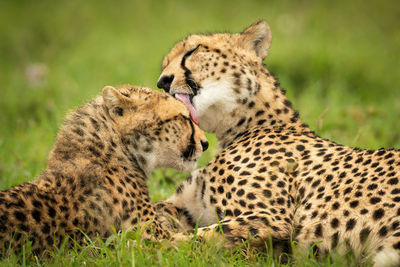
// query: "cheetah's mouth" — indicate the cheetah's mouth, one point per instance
point(186, 99)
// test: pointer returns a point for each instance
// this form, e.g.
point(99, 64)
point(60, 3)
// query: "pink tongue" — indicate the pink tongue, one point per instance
point(185, 99)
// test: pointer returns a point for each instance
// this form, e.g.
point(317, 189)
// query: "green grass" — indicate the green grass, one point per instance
point(127, 249)
point(338, 60)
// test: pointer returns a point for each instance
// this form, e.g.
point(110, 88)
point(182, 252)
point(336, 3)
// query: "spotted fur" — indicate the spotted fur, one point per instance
point(273, 177)
point(96, 173)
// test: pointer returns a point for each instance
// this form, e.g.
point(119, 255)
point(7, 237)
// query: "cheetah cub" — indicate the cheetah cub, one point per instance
point(97, 170)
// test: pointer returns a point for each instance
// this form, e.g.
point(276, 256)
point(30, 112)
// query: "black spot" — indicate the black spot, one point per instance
point(242, 182)
point(378, 214)
point(395, 225)
point(94, 151)
point(225, 229)
point(318, 230)
point(364, 234)
point(253, 231)
point(335, 240)
point(236, 212)
point(241, 121)
point(178, 189)
point(267, 193)
point(36, 215)
point(334, 223)
point(220, 189)
point(335, 205)
point(213, 200)
point(119, 111)
point(397, 245)
point(375, 200)
point(354, 204)
point(372, 186)
point(395, 191)
point(20, 216)
point(350, 224)
point(45, 228)
point(280, 201)
point(272, 151)
point(251, 196)
point(328, 178)
point(364, 211)
point(281, 184)
point(383, 231)
point(240, 192)
point(259, 113)
point(78, 131)
point(37, 204)
point(316, 183)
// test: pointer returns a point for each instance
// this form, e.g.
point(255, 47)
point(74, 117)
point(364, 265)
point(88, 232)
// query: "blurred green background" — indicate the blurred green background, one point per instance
point(338, 60)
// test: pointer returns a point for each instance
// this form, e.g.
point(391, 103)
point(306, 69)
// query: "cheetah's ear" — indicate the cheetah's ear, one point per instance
point(112, 98)
point(257, 37)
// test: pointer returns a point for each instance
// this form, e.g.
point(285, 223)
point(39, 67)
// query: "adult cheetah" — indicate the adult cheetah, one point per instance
point(96, 172)
point(273, 177)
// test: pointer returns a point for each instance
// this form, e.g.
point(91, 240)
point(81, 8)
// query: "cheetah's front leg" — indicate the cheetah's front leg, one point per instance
point(150, 223)
point(255, 228)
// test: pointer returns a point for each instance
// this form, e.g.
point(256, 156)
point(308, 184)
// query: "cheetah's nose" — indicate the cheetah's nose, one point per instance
point(204, 145)
point(165, 82)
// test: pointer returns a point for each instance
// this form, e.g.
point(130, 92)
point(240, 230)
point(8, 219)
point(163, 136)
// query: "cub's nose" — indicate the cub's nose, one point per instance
point(165, 82)
point(204, 145)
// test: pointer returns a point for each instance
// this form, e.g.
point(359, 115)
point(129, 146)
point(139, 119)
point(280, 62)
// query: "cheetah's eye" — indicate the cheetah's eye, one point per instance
point(188, 74)
point(192, 84)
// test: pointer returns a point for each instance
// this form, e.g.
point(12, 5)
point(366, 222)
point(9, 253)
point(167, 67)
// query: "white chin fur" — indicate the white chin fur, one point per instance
point(387, 258)
point(180, 164)
point(213, 103)
point(189, 166)
point(162, 159)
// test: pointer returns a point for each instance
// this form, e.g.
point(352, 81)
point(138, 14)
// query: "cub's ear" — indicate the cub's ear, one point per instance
point(257, 37)
point(113, 100)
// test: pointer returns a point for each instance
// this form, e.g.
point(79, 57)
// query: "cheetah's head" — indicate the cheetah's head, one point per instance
point(214, 74)
point(155, 127)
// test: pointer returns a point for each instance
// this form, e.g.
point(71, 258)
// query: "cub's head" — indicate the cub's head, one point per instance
point(213, 74)
point(155, 127)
